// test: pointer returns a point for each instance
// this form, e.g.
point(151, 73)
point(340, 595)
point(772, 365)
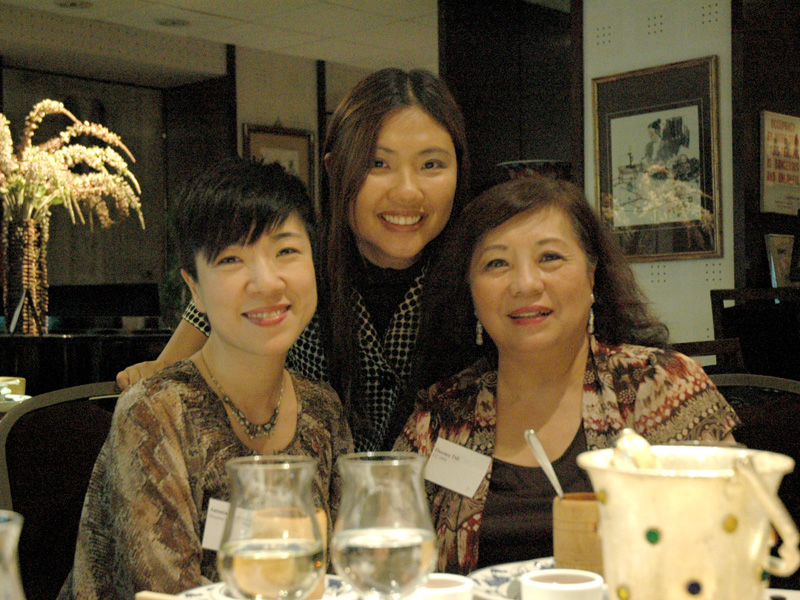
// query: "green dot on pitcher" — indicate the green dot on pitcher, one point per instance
point(694, 588)
point(623, 593)
point(601, 497)
point(730, 524)
point(653, 536)
point(764, 576)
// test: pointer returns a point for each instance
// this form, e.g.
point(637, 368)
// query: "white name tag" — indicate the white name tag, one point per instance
point(456, 468)
point(215, 522)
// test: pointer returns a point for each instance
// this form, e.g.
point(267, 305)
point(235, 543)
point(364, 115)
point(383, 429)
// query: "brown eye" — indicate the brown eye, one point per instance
point(551, 256)
point(495, 263)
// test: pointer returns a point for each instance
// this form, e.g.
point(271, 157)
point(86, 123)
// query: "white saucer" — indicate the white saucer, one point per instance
point(491, 583)
point(335, 588)
point(9, 401)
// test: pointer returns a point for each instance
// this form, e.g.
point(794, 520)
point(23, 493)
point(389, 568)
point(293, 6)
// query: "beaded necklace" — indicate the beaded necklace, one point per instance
point(251, 429)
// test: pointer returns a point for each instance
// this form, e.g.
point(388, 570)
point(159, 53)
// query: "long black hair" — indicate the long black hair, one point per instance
point(349, 149)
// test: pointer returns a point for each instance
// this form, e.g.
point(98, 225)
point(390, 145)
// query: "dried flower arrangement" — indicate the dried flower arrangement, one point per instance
point(90, 182)
point(62, 171)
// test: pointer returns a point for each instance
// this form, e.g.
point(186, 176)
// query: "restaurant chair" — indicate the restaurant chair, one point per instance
point(769, 408)
point(48, 446)
point(727, 353)
point(767, 323)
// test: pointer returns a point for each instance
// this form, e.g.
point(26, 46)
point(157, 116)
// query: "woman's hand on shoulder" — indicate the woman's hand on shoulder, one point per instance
point(185, 341)
point(142, 370)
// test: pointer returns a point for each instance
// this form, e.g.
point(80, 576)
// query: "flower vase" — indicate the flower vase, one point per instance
point(25, 275)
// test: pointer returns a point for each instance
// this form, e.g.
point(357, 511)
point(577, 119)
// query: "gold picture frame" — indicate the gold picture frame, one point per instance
point(657, 160)
point(292, 148)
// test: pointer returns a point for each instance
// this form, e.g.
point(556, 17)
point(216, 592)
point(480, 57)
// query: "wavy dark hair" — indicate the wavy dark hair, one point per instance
point(348, 150)
point(446, 343)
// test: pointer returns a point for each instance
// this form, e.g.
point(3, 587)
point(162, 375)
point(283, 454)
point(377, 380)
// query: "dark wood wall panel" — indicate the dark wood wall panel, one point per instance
point(200, 121)
point(766, 76)
point(511, 66)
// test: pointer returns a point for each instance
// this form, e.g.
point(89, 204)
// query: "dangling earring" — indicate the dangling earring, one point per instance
point(590, 327)
point(479, 334)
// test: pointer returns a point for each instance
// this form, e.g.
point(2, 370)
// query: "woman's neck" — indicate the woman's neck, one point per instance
point(543, 393)
point(543, 375)
point(248, 379)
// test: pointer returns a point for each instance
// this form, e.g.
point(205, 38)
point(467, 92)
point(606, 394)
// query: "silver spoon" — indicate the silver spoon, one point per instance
point(538, 451)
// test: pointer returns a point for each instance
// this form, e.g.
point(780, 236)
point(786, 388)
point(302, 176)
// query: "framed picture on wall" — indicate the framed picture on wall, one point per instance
point(657, 159)
point(292, 148)
point(780, 163)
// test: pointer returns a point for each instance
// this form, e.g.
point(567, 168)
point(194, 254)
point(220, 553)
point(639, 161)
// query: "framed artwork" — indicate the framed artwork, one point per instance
point(292, 148)
point(657, 160)
point(780, 163)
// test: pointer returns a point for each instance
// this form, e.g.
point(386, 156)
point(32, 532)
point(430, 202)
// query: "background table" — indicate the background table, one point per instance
point(54, 361)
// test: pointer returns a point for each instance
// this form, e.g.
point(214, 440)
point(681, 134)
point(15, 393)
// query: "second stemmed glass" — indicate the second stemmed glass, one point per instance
point(383, 540)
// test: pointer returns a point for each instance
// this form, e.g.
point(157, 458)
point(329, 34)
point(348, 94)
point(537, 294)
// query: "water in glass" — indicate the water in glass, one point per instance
point(383, 540)
point(272, 546)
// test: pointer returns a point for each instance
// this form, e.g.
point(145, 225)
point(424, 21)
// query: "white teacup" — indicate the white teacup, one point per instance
point(445, 586)
point(561, 584)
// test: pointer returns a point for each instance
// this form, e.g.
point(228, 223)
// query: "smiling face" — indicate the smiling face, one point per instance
point(531, 284)
point(258, 297)
point(407, 196)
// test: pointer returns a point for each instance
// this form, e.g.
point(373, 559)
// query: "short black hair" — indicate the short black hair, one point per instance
point(234, 202)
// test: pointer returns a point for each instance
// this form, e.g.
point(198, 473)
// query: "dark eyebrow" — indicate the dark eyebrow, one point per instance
point(542, 242)
point(287, 234)
point(431, 150)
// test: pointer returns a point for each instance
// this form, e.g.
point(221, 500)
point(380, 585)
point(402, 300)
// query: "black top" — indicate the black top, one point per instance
point(383, 290)
point(517, 522)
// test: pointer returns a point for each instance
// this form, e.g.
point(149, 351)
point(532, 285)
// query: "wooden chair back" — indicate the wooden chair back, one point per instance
point(727, 352)
point(767, 323)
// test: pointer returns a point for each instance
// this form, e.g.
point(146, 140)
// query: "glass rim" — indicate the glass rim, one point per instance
point(275, 461)
point(385, 457)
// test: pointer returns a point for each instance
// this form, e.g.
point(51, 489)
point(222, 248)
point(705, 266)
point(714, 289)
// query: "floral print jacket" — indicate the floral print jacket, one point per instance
point(663, 395)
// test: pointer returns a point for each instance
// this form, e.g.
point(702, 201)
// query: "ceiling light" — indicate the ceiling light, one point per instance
point(173, 22)
point(74, 4)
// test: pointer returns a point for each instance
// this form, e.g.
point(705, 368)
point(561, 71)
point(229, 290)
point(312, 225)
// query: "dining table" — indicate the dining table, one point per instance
point(501, 582)
point(490, 583)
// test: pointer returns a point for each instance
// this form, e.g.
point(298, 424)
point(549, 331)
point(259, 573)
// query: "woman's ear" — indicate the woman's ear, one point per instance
point(326, 160)
point(197, 297)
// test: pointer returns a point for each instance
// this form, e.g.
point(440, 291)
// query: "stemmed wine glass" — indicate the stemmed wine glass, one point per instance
point(272, 545)
point(383, 540)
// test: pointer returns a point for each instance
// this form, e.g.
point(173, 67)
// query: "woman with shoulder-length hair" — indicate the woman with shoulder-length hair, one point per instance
point(536, 310)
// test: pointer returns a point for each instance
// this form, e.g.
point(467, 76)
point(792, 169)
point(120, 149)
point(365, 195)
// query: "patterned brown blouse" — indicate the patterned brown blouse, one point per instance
point(663, 395)
point(164, 459)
